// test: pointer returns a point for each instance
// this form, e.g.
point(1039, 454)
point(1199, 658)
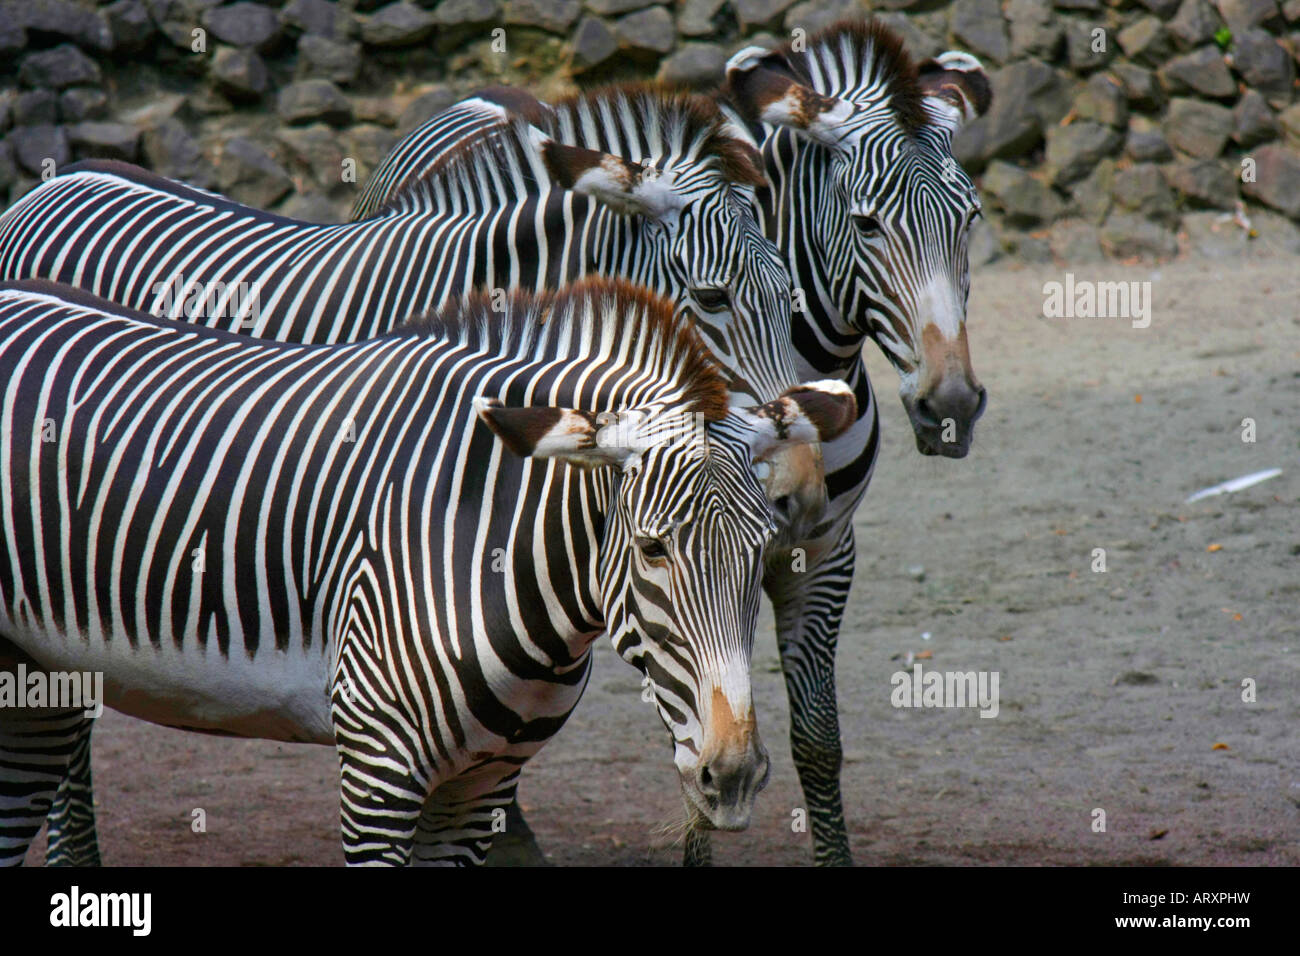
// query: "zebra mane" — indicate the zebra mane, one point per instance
point(475, 159)
point(638, 122)
point(855, 56)
point(595, 318)
point(651, 122)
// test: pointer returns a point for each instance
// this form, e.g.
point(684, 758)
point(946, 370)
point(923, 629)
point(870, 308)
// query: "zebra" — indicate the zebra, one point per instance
point(872, 214)
point(298, 542)
point(677, 217)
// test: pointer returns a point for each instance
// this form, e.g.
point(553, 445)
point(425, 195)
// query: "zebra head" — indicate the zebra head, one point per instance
point(673, 163)
point(680, 561)
point(887, 210)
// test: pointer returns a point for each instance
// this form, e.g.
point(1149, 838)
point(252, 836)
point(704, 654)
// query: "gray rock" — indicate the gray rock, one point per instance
point(130, 25)
point(170, 151)
point(247, 173)
point(244, 24)
point(1194, 24)
point(1072, 151)
point(59, 67)
point(1145, 142)
point(759, 13)
point(1146, 41)
point(594, 42)
point(982, 247)
point(1142, 189)
point(1277, 179)
point(1289, 121)
point(1198, 129)
point(467, 13)
point(322, 18)
point(1242, 15)
point(370, 144)
point(397, 25)
point(1082, 51)
point(1291, 10)
point(1204, 182)
point(814, 15)
point(1264, 64)
point(1127, 236)
point(1140, 87)
point(1035, 31)
point(1202, 71)
point(1028, 97)
point(309, 100)
point(1252, 120)
point(155, 111)
point(1091, 197)
point(695, 17)
point(82, 103)
point(376, 109)
point(35, 146)
point(312, 207)
point(918, 42)
point(697, 65)
point(239, 73)
point(1024, 201)
point(66, 20)
point(36, 108)
point(13, 36)
point(1164, 9)
point(647, 31)
point(611, 8)
point(94, 140)
point(978, 26)
point(207, 101)
point(424, 107)
point(1102, 100)
point(1074, 241)
point(554, 16)
point(8, 167)
point(329, 59)
point(317, 150)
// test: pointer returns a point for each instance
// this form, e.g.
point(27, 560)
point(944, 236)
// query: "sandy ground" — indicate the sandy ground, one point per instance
point(1115, 687)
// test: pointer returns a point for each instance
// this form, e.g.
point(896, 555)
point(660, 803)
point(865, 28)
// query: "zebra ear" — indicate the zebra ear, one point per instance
point(812, 412)
point(623, 186)
point(546, 432)
point(762, 87)
point(956, 89)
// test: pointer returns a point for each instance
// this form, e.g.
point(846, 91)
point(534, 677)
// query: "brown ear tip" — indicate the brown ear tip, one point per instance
point(830, 413)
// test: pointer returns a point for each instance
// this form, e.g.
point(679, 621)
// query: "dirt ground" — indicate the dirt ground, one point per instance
point(1116, 687)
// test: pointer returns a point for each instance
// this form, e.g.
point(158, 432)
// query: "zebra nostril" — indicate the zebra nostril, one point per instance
point(925, 412)
point(707, 786)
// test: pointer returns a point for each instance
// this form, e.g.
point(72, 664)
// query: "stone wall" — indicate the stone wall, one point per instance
point(1119, 128)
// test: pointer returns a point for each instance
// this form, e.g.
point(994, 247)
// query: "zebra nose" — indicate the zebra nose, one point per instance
point(954, 399)
point(730, 780)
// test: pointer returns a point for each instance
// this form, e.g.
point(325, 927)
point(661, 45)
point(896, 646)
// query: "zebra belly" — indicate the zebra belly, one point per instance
point(275, 695)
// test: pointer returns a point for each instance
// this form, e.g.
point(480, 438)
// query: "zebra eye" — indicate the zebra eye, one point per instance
point(712, 300)
point(867, 225)
point(652, 549)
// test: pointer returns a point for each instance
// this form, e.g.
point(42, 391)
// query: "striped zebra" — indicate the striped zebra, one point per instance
point(872, 215)
point(520, 208)
point(384, 546)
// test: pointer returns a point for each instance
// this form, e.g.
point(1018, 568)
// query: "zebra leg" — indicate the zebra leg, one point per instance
point(462, 816)
point(35, 748)
point(72, 839)
point(517, 846)
point(809, 608)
